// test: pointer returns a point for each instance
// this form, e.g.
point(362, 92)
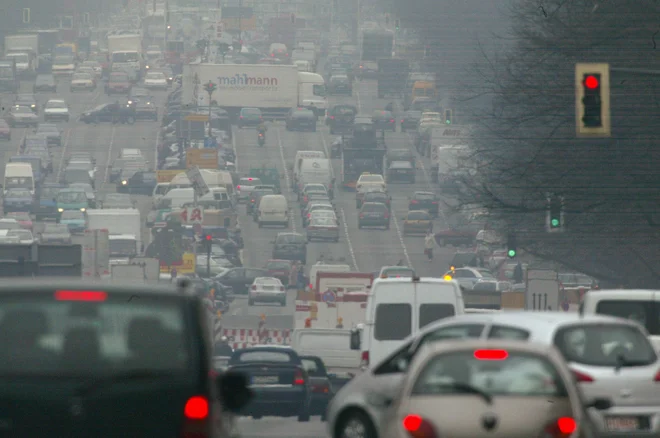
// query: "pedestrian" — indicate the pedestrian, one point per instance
point(429, 244)
point(300, 281)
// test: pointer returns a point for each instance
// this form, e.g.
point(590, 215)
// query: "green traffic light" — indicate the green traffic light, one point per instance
point(448, 122)
point(554, 223)
point(512, 253)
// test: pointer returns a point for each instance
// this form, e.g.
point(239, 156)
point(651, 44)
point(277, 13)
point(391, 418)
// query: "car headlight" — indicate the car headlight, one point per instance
point(130, 102)
point(83, 209)
point(60, 210)
point(124, 183)
point(33, 106)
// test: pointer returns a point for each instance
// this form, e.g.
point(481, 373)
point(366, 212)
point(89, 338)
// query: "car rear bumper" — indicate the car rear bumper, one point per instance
point(278, 402)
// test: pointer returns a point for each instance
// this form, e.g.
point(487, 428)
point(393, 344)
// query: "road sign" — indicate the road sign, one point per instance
point(192, 215)
point(210, 142)
point(198, 183)
point(329, 296)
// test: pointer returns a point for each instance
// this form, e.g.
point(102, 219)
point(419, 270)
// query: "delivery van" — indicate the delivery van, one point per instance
point(300, 156)
point(19, 176)
point(273, 210)
point(316, 170)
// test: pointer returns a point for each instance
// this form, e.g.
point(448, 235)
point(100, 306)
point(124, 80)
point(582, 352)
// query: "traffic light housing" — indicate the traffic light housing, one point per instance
point(397, 24)
point(210, 87)
point(511, 246)
point(592, 100)
point(448, 117)
point(26, 15)
point(555, 219)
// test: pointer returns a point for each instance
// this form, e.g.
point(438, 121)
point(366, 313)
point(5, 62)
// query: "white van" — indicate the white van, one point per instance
point(300, 156)
point(19, 176)
point(638, 305)
point(315, 170)
point(180, 197)
point(400, 307)
point(160, 190)
point(312, 92)
point(273, 210)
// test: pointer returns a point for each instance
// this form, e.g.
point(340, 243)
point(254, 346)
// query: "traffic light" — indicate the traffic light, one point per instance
point(210, 87)
point(555, 220)
point(26, 15)
point(397, 24)
point(448, 117)
point(511, 246)
point(592, 100)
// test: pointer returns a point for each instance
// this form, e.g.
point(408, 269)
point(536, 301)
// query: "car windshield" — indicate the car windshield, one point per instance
point(47, 129)
point(314, 367)
point(605, 345)
point(72, 215)
point(49, 192)
point(424, 196)
point(155, 75)
point(418, 216)
point(21, 110)
point(70, 197)
point(371, 179)
point(278, 265)
point(511, 374)
point(323, 222)
point(18, 193)
point(81, 77)
point(56, 333)
point(84, 187)
point(262, 356)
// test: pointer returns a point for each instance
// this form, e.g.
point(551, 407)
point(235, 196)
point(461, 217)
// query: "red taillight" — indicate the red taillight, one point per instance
point(80, 295)
point(386, 215)
point(417, 427)
point(657, 377)
point(491, 354)
point(434, 202)
point(197, 417)
point(197, 408)
point(272, 55)
point(391, 120)
point(238, 187)
point(561, 428)
point(582, 377)
point(309, 215)
point(413, 202)
point(401, 120)
point(310, 285)
point(321, 389)
point(254, 288)
point(332, 117)
point(281, 288)
point(364, 360)
point(298, 378)
point(241, 117)
point(305, 199)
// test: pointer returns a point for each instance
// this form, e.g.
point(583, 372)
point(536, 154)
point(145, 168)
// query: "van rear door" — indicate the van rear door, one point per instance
point(436, 301)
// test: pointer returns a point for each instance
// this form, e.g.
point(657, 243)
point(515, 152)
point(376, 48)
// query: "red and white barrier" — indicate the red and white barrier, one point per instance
point(244, 338)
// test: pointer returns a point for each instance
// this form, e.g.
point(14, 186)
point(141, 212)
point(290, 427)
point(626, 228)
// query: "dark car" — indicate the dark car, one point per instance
point(367, 70)
point(250, 117)
point(141, 182)
point(138, 94)
point(341, 118)
point(240, 279)
point(280, 269)
point(5, 130)
point(384, 121)
point(424, 201)
point(381, 197)
point(109, 112)
point(401, 171)
point(281, 385)
point(46, 83)
point(410, 120)
point(51, 132)
point(322, 389)
point(340, 84)
point(400, 155)
point(290, 246)
point(17, 200)
point(162, 375)
point(301, 119)
point(145, 110)
point(374, 214)
point(28, 100)
point(118, 82)
point(47, 206)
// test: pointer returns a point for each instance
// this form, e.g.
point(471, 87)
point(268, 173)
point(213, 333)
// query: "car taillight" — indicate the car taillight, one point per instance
point(364, 360)
point(254, 288)
point(310, 286)
point(386, 215)
point(241, 117)
point(391, 120)
point(401, 120)
point(582, 377)
point(657, 377)
point(298, 378)
point(238, 187)
point(305, 199)
point(309, 215)
point(418, 427)
point(281, 288)
point(561, 428)
point(413, 202)
point(321, 389)
point(434, 202)
point(196, 422)
point(332, 117)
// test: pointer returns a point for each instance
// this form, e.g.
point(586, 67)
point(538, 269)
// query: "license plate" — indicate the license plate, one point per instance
point(401, 171)
point(268, 288)
point(622, 424)
point(265, 380)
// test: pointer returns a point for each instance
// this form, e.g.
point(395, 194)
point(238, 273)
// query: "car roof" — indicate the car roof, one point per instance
point(34, 286)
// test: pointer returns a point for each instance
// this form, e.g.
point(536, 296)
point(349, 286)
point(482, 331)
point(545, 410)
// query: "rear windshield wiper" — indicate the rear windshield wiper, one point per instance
point(138, 374)
point(469, 389)
point(622, 361)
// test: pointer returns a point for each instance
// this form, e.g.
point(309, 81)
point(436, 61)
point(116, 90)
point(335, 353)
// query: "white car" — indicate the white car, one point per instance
point(155, 79)
point(82, 82)
point(371, 178)
point(245, 186)
point(267, 289)
point(55, 110)
point(95, 66)
point(25, 237)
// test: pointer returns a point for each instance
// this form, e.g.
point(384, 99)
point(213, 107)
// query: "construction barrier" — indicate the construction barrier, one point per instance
point(328, 315)
point(245, 338)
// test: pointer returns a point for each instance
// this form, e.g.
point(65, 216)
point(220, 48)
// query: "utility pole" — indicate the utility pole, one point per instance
point(210, 88)
point(240, 23)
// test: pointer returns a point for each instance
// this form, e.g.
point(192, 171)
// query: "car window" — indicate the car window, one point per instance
point(314, 367)
point(516, 374)
point(606, 345)
point(74, 337)
point(393, 322)
point(645, 313)
point(278, 265)
point(374, 207)
point(429, 313)
point(503, 332)
point(424, 196)
point(396, 362)
point(261, 356)
point(463, 331)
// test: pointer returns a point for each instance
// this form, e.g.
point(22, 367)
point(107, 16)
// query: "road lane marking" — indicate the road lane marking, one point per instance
point(287, 179)
point(63, 153)
point(403, 244)
point(108, 162)
point(348, 240)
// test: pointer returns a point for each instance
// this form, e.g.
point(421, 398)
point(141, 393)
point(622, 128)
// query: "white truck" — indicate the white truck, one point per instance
point(274, 89)
point(543, 291)
point(331, 345)
point(124, 227)
point(24, 49)
point(126, 54)
point(96, 253)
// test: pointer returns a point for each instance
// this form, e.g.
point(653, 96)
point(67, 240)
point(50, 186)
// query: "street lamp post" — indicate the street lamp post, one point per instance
point(210, 87)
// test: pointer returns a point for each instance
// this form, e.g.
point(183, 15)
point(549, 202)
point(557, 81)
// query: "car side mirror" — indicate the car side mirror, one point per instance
point(233, 390)
point(355, 340)
point(601, 404)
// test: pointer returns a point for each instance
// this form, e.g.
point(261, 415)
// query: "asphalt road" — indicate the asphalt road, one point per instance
point(365, 250)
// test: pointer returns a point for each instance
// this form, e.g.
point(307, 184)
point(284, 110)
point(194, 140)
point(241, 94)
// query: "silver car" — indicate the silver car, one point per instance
point(55, 234)
point(323, 228)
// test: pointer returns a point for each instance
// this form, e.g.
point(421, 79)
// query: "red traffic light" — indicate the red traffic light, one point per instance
point(591, 82)
point(208, 237)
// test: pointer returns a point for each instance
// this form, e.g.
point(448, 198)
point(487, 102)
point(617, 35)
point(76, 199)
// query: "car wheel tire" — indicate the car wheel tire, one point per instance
point(256, 417)
point(303, 417)
point(355, 421)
